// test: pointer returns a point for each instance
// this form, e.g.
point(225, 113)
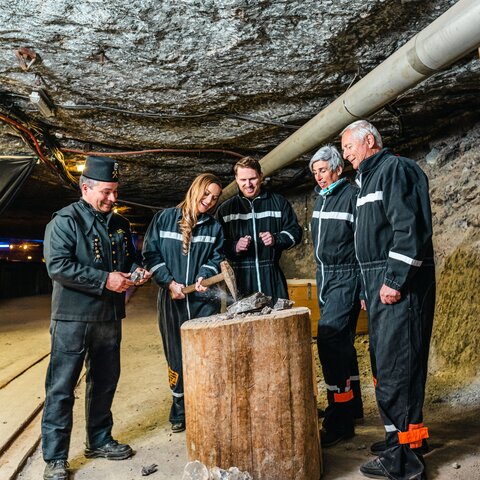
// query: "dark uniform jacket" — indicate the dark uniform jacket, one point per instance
point(258, 268)
point(393, 216)
point(81, 247)
point(163, 255)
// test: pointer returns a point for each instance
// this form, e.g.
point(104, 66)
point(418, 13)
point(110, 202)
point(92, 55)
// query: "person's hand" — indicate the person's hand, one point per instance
point(198, 285)
point(176, 290)
point(118, 282)
point(243, 244)
point(146, 275)
point(267, 238)
point(388, 295)
point(363, 305)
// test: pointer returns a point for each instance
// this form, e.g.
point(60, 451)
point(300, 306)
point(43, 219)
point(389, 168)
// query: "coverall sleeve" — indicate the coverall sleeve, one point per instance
point(407, 207)
point(291, 233)
point(212, 266)
point(62, 263)
point(229, 242)
point(152, 253)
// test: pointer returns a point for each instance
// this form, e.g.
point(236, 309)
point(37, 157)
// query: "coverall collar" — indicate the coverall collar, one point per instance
point(374, 160)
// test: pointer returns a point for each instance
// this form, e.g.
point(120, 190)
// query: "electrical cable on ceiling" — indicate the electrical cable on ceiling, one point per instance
point(27, 132)
point(167, 116)
point(58, 165)
point(172, 116)
point(154, 150)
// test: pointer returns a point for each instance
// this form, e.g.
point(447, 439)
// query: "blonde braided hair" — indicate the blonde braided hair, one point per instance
point(189, 206)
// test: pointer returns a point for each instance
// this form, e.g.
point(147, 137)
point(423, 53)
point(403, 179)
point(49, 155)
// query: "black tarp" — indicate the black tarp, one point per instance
point(14, 170)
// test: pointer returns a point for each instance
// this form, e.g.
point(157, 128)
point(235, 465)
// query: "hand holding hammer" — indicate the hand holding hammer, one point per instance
point(227, 275)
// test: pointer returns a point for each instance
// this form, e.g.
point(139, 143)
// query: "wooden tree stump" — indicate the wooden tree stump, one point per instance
point(249, 395)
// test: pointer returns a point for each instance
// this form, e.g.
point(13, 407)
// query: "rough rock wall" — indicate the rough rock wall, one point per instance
point(299, 262)
point(456, 337)
point(453, 168)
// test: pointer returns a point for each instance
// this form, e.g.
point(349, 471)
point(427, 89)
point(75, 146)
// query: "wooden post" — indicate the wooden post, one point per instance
point(249, 396)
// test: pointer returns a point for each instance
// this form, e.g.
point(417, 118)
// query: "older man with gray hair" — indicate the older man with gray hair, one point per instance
point(338, 288)
point(393, 240)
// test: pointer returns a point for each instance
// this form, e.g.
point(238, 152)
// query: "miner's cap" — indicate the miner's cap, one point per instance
point(102, 169)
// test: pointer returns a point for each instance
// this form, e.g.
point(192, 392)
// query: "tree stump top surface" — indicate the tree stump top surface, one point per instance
point(221, 320)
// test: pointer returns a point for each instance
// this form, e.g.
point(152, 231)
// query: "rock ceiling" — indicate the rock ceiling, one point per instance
point(206, 80)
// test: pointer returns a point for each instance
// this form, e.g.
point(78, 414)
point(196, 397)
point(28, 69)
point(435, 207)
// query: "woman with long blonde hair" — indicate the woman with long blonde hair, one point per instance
point(183, 245)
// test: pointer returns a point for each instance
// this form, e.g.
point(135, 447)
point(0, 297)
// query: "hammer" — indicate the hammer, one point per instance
point(227, 275)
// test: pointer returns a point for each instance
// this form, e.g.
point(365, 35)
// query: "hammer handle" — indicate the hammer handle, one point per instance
point(206, 283)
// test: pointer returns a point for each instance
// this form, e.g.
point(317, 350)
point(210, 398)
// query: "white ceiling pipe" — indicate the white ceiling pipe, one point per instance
point(450, 37)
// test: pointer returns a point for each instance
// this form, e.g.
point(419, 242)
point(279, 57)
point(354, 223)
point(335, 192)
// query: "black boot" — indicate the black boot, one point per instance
point(111, 451)
point(373, 469)
point(56, 470)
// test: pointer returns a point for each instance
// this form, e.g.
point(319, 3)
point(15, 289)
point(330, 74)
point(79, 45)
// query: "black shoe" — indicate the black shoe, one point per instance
point(378, 447)
point(56, 470)
point(178, 427)
point(329, 438)
point(111, 451)
point(373, 469)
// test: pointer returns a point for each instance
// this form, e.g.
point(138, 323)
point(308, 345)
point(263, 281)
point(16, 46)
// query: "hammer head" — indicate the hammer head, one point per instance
point(229, 278)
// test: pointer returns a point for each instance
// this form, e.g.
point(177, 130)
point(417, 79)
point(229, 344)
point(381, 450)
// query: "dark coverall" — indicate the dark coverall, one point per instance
point(81, 247)
point(394, 247)
point(162, 253)
point(338, 287)
point(258, 269)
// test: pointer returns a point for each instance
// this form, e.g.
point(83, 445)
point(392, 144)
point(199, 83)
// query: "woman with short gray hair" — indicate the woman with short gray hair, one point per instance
point(338, 290)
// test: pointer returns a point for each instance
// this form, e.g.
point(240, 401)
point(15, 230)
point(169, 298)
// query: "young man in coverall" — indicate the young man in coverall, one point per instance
point(393, 241)
point(258, 226)
point(89, 256)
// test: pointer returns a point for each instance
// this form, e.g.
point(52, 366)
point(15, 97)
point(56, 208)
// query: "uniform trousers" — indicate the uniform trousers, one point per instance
point(97, 344)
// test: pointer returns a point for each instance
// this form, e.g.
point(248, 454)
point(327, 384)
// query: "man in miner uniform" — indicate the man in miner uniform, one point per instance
point(258, 225)
point(89, 256)
point(393, 241)
point(338, 287)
